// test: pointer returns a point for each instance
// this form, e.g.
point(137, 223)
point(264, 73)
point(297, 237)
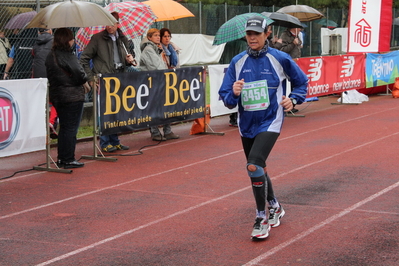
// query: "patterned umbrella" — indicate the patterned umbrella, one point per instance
point(234, 28)
point(134, 19)
point(19, 21)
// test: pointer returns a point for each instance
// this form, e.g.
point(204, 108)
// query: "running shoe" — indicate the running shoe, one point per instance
point(275, 214)
point(261, 229)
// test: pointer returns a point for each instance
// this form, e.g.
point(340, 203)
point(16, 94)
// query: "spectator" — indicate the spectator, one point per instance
point(291, 44)
point(171, 50)
point(41, 48)
point(67, 85)
point(107, 50)
point(151, 58)
point(19, 62)
point(4, 50)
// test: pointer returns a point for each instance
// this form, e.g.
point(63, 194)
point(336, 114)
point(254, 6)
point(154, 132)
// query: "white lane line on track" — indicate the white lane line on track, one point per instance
point(185, 166)
point(318, 226)
point(272, 251)
point(138, 228)
point(115, 186)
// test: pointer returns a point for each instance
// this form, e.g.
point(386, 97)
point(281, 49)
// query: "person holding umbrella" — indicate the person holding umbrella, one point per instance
point(291, 43)
point(256, 81)
point(108, 52)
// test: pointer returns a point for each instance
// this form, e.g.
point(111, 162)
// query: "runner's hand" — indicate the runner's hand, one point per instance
point(237, 87)
point(287, 104)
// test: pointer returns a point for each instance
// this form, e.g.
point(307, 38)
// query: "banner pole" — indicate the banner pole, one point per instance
point(207, 112)
point(48, 156)
point(95, 131)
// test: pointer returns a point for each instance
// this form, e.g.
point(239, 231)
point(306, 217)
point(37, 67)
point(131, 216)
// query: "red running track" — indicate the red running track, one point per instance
point(189, 201)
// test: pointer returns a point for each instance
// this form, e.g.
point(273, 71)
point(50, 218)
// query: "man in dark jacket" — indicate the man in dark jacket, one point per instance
point(107, 50)
point(40, 50)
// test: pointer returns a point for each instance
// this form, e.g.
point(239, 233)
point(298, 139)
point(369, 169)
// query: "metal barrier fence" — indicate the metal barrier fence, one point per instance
point(208, 18)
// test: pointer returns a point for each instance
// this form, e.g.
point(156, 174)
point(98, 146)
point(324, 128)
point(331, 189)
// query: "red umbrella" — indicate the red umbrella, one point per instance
point(19, 21)
point(134, 20)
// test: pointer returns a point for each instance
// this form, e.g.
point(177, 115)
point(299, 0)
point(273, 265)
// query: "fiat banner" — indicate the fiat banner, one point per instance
point(370, 24)
point(22, 116)
point(138, 100)
point(333, 74)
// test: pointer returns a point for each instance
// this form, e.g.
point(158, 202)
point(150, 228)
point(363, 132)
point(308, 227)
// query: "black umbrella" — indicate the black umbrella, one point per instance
point(284, 20)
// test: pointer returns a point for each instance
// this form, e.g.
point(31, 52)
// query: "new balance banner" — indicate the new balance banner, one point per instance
point(22, 116)
point(370, 24)
point(381, 69)
point(333, 74)
point(138, 100)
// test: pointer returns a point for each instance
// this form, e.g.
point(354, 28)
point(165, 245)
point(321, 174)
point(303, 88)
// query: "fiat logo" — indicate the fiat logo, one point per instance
point(9, 118)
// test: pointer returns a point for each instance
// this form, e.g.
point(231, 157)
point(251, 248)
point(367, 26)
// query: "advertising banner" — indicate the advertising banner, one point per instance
point(381, 69)
point(216, 74)
point(138, 100)
point(22, 116)
point(370, 25)
point(333, 74)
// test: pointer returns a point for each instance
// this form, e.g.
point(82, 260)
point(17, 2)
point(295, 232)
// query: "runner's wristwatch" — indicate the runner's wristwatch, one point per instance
point(294, 101)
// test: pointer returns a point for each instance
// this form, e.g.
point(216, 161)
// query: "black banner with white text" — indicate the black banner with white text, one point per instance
point(137, 100)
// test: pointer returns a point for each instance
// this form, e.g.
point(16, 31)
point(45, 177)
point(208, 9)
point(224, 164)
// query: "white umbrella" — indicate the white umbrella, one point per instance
point(72, 14)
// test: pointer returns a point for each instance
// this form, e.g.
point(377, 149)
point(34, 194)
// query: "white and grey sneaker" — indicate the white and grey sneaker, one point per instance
point(261, 229)
point(275, 214)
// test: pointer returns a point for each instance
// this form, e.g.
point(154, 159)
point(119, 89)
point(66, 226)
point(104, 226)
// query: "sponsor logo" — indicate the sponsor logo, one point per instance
point(382, 68)
point(246, 71)
point(362, 34)
point(9, 118)
point(314, 72)
point(347, 66)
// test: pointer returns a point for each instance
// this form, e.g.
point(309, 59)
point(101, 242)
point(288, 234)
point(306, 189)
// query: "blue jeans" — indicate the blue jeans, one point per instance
point(106, 140)
point(69, 115)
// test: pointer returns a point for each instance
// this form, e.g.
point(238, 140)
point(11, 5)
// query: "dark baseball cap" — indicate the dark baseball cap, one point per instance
point(256, 23)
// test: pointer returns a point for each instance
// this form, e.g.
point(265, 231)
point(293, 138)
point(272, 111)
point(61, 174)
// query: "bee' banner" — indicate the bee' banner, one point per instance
point(138, 100)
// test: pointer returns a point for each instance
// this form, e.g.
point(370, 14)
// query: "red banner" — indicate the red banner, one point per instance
point(333, 74)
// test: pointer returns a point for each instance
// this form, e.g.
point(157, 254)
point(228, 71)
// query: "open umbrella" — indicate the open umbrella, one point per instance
point(234, 28)
point(19, 21)
point(302, 12)
point(168, 10)
point(134, 19)
point(283, 20)
point(326, 23)
point(72, 14)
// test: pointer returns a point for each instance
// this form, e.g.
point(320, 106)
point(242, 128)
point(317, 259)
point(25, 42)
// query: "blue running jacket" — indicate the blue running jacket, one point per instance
point(275, 67)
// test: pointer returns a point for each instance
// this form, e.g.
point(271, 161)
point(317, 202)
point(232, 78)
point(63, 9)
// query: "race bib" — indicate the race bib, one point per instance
point(255, 96)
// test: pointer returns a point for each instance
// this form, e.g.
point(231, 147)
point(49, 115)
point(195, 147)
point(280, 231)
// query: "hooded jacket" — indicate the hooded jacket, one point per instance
point(101, 50)
point(40, 51)
point(151, 56)
point(275, 67)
